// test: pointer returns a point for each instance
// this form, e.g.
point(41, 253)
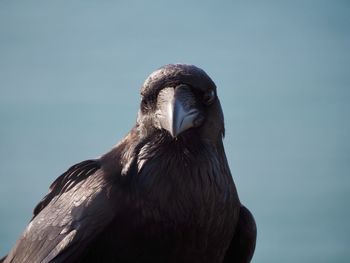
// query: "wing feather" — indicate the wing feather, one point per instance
point(242, 245)
point(76, 210)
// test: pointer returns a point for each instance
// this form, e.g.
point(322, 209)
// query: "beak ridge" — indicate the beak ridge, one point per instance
point(177, 112)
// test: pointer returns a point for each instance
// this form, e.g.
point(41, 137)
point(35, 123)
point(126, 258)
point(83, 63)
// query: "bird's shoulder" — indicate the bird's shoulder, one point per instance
point(74, 175)
point(78, 206)
point(242, 246)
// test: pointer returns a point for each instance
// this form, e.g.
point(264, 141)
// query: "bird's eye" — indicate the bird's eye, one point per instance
point(209, 97)
point(147, 103)
point(144, 105)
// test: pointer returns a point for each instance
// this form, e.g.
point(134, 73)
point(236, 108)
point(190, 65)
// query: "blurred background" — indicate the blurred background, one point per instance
point(70, 73)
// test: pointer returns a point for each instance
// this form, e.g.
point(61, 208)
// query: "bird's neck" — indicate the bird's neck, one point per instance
point(184, 158)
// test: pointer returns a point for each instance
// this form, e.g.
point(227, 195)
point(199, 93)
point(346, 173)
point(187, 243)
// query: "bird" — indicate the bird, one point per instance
point(164, 193)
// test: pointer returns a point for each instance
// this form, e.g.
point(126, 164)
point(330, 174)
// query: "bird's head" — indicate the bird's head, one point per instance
point(180, 99)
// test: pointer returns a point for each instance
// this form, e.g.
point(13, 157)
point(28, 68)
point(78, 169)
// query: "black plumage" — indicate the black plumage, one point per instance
point(163, 194)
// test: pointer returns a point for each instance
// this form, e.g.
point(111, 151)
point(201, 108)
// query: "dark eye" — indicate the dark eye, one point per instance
point(148, 103)
point(145, 105)
point(209, 97)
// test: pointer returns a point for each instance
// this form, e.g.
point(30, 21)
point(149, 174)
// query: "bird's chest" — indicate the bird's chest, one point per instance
point(183, 205)
point(183, 210)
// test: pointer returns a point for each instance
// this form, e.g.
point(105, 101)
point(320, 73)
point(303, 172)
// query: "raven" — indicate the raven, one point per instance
point(164, 193)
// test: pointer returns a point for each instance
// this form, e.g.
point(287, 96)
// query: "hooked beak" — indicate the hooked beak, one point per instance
point(176, 110)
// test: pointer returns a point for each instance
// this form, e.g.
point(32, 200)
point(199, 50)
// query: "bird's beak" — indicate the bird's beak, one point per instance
point(177, 110)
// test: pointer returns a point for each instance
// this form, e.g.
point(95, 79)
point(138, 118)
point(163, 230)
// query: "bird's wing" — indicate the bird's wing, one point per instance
point(77, 208)
point(242, 246)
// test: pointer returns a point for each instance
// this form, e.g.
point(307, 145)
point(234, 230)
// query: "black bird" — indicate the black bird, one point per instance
point(163, 194)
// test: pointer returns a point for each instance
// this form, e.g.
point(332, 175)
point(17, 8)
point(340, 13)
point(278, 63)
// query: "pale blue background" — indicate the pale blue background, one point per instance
point(70, 73)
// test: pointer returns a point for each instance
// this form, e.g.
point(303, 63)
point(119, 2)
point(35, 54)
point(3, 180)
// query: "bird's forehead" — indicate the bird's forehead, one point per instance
point(174, 74)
